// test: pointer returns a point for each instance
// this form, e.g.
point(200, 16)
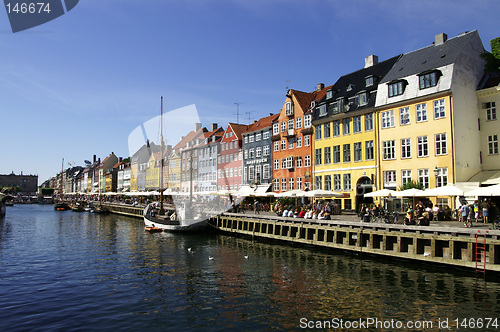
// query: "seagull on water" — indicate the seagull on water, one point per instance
point(210, 258)
point(246, 256)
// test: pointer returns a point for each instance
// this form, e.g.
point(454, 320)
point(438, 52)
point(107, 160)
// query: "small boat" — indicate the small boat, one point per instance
point(77, 208)
point(61, 206)
point(153, 229)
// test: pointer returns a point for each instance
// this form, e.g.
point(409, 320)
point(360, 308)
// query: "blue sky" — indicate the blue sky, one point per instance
point(80, 84)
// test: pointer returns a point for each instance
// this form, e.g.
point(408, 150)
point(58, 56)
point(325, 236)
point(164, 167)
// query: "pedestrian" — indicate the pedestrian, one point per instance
point(465, 214)
point(485, 206)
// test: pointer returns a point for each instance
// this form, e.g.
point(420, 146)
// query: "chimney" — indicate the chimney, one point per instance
point(440, 39)
point(95, 158)
point(120, 159)
point(197, 126)
point(214, 126)
point(320, 86)
point(371, 60)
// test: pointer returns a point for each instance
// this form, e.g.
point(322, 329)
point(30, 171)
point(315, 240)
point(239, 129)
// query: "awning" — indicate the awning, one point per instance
point(487, 177)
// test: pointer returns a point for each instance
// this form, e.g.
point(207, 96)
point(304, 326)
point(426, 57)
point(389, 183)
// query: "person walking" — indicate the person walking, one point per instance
point(465, 214)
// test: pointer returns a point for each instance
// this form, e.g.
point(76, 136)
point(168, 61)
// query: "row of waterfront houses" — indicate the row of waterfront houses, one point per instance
point(427, 116)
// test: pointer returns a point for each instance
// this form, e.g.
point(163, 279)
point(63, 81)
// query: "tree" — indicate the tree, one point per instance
point(492, 60)
point(412, 184)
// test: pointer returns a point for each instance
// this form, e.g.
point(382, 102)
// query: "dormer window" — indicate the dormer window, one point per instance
point(322, 110)
point(428, 79)
point(361, 99)
point(369, 81)
point(329, 94)
point(289, 108)
point(350, 87)
point(396, 88)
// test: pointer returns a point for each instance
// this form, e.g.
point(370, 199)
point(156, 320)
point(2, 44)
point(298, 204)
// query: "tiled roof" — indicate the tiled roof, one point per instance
point(304, 98)
point(190, 136)
point(262, 123)
point(430, 57)
point(238, 129)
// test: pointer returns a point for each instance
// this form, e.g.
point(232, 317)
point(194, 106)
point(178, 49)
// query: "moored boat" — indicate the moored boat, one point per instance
point(61, 206)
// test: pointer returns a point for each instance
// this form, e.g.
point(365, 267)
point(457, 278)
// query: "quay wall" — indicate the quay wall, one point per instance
point(441, 245)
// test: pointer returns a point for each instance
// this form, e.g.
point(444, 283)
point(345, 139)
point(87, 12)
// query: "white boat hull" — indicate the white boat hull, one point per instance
point(174, 225)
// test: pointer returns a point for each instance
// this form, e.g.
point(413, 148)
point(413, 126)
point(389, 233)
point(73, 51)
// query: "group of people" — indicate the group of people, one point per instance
point(320, 210)
point(485, 211)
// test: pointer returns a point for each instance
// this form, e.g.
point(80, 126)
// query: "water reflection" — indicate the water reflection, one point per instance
point(65, 269)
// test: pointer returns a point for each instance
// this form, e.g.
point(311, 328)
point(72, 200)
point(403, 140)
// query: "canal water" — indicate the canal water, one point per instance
point(68, 271)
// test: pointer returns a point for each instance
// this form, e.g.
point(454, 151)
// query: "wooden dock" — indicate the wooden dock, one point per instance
point(472, 248)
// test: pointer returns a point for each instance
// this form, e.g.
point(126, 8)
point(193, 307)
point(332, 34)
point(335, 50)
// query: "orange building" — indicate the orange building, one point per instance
point(292, 142)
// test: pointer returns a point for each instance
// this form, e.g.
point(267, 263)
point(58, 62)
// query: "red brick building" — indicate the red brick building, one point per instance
point(230, 160)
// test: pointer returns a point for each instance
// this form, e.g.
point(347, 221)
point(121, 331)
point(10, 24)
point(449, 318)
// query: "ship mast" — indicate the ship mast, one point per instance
point(162, 147)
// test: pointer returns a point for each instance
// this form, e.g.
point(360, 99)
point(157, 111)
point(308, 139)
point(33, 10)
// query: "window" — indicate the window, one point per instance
point(276, 146)
point(369, 81)
point(368, 122)
point(317, 131)
point(299, 183)
point(337, 185)
point(421, 112)
point(276, 184)
point(322, 110)
point(283, 126)
point(328, 155)
point(318, 157)
point(258, 152)
point(276, 128)
point(245, 140)
point(347, 153)
point(369, 150)
point(329, 94)
point(405, 176)
point(357, 152)
point(266, 135)
point(319, 180)
point(289, 108)
point(440, 140)
point(266, 150)
point(442, 177)
point(388, 119)
point(283, 184)
point(428, 80)
point(347, 182)
point(298, 162)
point(290, 124)
point(251, 173)
point(251, 154)
point(307, 161)
point(328, 182)
point(336, 154)
point(356, 124)
point(423, 177)
point(491, 110)
point(422, 146)
point(258, 137)
point(389, 150)
point(299, 142)
point(404, 116)
point(291, 184)
point(298, 123)
point(246, 153)
point(326, 130)
point(283, 144)
point(361, 99)
point(439, 110)
point(267, 171)
point(336, 128)
point(276, 164)
point(290, 144)
point(390, 179)
point(251, 139)
point(346, 128)
point(307, 140)
point(405, 148)
point(396, 88)
point(493, 144)
point(307, 121)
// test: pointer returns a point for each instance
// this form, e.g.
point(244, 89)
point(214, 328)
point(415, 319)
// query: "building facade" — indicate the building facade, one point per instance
point(230, 159)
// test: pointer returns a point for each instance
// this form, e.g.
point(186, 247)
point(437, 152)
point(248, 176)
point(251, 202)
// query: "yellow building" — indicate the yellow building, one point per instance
point(427, 115)
point(345, 134)
point(153, 172)
point(174, 172)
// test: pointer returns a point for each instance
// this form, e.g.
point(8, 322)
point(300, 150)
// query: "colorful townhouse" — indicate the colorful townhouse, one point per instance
point(345, 134)
point(427, 114)
point(208, 150)
point(189, 158)
point(292, 142)
point(230, 159)
point(174, 171)
point(257, 148)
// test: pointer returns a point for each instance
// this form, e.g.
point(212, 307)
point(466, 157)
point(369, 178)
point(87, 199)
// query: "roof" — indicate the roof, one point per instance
point(190, 136)
point(430, 57)
point(304, 99)
point(262, 123)
point(238, 129)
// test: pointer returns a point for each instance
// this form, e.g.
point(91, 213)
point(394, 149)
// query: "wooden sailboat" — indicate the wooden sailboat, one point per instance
point(155, 215)
point(61, 205)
